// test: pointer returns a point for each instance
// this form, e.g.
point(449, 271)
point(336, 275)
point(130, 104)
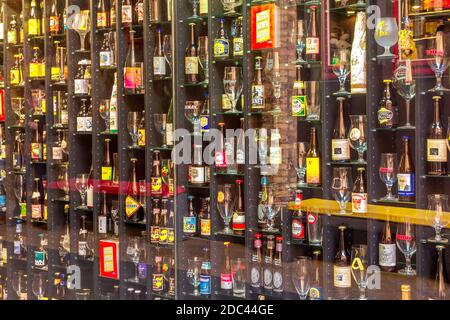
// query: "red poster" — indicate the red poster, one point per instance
point(109, 259)
point(265, 27)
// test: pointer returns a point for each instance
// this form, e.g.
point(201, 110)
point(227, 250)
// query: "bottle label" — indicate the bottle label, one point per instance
point(204, 123)
point(17, 247)
point(298, 228)
point(268, 278)
point(39, 258)
point(359, 202)
point(131, 206)
point(34, 27)
point(2, 200)
point(220, 159)
point(312, 170)
point(127, 14)
point(196, 175)
point(12, 37)
point(340, 149)
point(81, 86)
point(15, 77)
point(102, 225)
point(102, 19)
point(169, 134)
point(342, 277)
point(154, 234)
point(221, 48)
point(189, 225)
point(64, 117)
point(35, 70)
point(258, 96)
point(54, 24)
point(156, 186)
point(141, 137)
point(256, 276)
point(57, 153)
point(226, 281)
point(170, 236)
point(36, 151)
point(88, 124)
point(315, 293)
point(107, 174)
point(158, 282)
point(275, 157)
point(23, 210)
point(140, 12)
point(238, 221)
point(191, 65)
point(54, 72)
point(436, 150)
point(113, 123)
point(159, 66)
point(406, 183)
point(36, 211)
point(240, 156)
point(312, 45)
point(277, 281)
point(238, 47)
point(81, 124)
point(171, 187)
point(205, 227)
point(387, 255)
point(105, 58)
point(385, 116)
point(132, 77)
point(82, 248)
point(203, 7)
point(162, 235)
point(226, 102)
point(298, 104)
point(205, 284)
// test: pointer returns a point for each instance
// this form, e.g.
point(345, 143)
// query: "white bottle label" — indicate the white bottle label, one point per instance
point(436, 150)
point(102, 224)
point(90, 197)
point(387, 255)
point(359, 202)
point(340, 149)
point(159, 66)
point(80, 124)
point(342, 276)
point(169, 134)
point(57, 153)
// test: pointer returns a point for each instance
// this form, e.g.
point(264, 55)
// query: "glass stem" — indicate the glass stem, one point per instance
point(439, 79)
point(408, 105)
point(136, 270)
point(408, 262)
point(82, 39)
point(389, 191)
point(362, 293)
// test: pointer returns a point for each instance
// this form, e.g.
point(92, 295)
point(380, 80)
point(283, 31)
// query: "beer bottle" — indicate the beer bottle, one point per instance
point(436, 143)
point(298, 98)
point(220, 156)
point(221, 42)
point(34, 20)
point(277, 266)
point(191, 60)
point(107, 168)
point(54, 19)
point(156, 174)
point(18, 160)
point(197, 169)
point(190, 221)
point(238, 39)
point(387, 250)
point(163, 222)
point(387, 111)
point(102, 15)
point(133, 207)
point(205, 274)
point(171, 289)
point(313, 160)
point(171, 223)
point(36, 201)
point(159, 60)
point(205, 216)
point(139, 12)
point(316, 291)
point(239, 213)
point(12, 34)
point(158, 275)
point(258, 94)
point(405, 175)
point(359, 193)
point(82, 239)
point(341, 268)
point(312, 38)
point(171, 179)
point(127, 13)
point(298, 223)
point(226, 282)
point(340, 145)
point(36, 144)
point(268, 264)
point(256, 271)
point(155, 225)
point(264, 199)
point(103, 216)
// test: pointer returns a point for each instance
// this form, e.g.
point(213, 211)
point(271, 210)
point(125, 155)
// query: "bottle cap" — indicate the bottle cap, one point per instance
point(279, 239)
point(406, 138)
point(257, 235)
point(239, 181)
point(342, 227)
point(264, 180)
point(387, 81)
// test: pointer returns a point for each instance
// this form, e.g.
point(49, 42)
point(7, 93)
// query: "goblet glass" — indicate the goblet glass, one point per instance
point(193, 273)
point(238, 271)
point(192, 111)
point(437, 60)
point(134, 253)
point(133, 127)
point(104, 112)
point(388, 173)
point(232, 84)
point(360, 263)
point(230, 5)
point(438, 215)
point(301, 149)
point(270, 212)
point(406, 243)
point(298, 39)
point(195, 4)
point(225, 205)
point(63, 180)
point(301, 276)
point(81, 183)
point(160, 125)
point(18, 107)
point(19, 284)
point(386, 35)
point(39, 285)
point(341, 187)
point(406, 88)
point(82, 24)
point(341, 68)
point(358, 135)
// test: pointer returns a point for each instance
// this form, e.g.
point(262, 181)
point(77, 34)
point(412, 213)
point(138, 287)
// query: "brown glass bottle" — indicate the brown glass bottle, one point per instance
point(102, 219)
point(406, 175)
point(156, 174)
point(36, 202)
point(258, 91)
point(239, 213)
point(220, 156)
point(359, 193)
point(387, 250)
point(191, 59)
point(387, 111)
point(437, 144)
point(102, 15)
point(226, 283)
point(313, 160)
point(341, 268)
point(133, 208)
point(298, 98)
point(155, 225)
point(313, 38)
point(340, 145)
point(107, 168)
point(36, 144)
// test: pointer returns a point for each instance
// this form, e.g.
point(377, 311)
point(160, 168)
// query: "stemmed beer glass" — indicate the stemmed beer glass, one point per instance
point(39, 286)
point(81, 183)
point(134, 253)
point(386, 35)
point(82, 25)
point(192, 111)
point(438, 215)
point(160, 125)
point(360, 262)
point(225, 205)
point(193, 273)
point(301, 276)
point(406, 243)
point(406, 88)
point(134, 119)
point(232, 84)
point(341, 68)
point(341, 187)
point(358, 135)
point(388, 173)
point(438, 60)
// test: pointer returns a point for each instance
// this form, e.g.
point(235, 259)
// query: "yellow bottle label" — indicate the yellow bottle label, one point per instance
point(205, 227)
point(55, 73)
point(107, 173)
point(34, 27)
point(238, 47)
point(203, 7)
point(299, 104)
point(312, 170)
point(154, 234)
point(44, 106)
point(191, 65)
point(156, 185)
point(436, 150)
point(35, 70)
point(170, 235)
point(42, 69)
point(163, 235)
point(12, 37)
point(45, 213)
point(131, 206)
point(15, 77)
point(141, 137)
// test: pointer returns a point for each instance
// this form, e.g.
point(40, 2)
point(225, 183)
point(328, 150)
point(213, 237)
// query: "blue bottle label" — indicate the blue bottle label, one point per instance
point(205, 284)
point(2, 200)
point(406, 184)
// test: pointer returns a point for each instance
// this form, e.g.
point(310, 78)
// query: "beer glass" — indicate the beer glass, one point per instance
point(438, 215)
point(313, 96)
point(19, 284)
point(406, 243)
point(133, 127)
point(192, 111)
point(161, 125)
point(358, 135)
point(386, 35)
point(63, 180)
point(406, 88)
point(440, 290)
point(388, 173)
point(81, 183)
point(81, 23)
point(39, 285)
point(134, 253)
point(238, 271)
point(301, 276)
point(360, 263)
point(103, 110)
point(341, 68)
point(298, 39)
point(233, 85)
point(193, 273)
point(341, 187)
point(167, 50)
point(301, 148)
point(438, 60)
point(195, 4)
point(230, 5)
point(270, 211)
point(315, 230)
point(225, 205)
point(18, 107)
